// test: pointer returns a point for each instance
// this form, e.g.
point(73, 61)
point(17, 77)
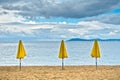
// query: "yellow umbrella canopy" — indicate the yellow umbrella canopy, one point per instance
point(95, 51)
point(21, 51)
point(63, 52)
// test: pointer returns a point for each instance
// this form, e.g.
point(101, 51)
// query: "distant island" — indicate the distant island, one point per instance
point(79, 39)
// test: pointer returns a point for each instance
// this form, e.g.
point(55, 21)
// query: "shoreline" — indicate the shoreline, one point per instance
point(64, 66)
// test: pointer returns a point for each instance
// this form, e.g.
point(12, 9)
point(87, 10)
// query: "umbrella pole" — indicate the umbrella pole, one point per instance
point(62, 63)
point(96, 63)
point(20, 64)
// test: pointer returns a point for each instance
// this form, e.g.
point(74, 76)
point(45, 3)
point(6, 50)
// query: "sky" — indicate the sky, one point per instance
point(54, 20)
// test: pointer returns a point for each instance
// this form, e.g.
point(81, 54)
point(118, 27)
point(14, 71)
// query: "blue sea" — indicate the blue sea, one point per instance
point(45, 53)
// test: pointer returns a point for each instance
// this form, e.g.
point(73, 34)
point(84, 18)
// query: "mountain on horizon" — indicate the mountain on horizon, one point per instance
point(79, 39)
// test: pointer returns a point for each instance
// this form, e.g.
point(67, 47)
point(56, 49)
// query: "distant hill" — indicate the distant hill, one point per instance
point(79, 39)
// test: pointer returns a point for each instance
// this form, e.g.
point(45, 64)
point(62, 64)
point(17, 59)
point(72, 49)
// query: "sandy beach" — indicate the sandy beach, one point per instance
point(55, 73)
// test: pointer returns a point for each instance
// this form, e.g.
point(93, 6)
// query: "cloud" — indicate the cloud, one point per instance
point(112, 33)
point(60, 8)
point(107, 18)
point(96, 29)
point(57, 31)
point(23, 30)
point(22, 19)
point(7, 16)
point(13, 30)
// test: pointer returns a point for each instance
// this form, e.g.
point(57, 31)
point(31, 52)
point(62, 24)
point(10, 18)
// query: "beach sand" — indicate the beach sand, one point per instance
point(55, 73)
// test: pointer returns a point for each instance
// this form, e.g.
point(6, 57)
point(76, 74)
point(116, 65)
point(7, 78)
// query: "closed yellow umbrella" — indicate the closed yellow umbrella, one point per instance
point(95, 51)
point(21, 52)
point(63, 52)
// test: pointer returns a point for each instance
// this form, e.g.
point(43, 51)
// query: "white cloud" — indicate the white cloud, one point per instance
point(36, 27)
point(94, 25)
point(9, 16)
point(112, 33)
point(78, 31)
point(89, 29)
point(63, 36)
point(13, 29)
point(23, 29)
point(29, 22)
point(95, 29)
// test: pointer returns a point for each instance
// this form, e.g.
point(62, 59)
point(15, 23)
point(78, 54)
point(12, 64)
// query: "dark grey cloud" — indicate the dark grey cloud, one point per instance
point(59, 8)
point(107, 18)
point(4, 12)
point(112, 19)
point(8, 1)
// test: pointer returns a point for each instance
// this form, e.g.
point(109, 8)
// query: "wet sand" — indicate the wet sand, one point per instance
point(55, 73)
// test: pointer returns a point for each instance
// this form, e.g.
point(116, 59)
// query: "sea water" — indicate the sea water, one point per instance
point(45, 53)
